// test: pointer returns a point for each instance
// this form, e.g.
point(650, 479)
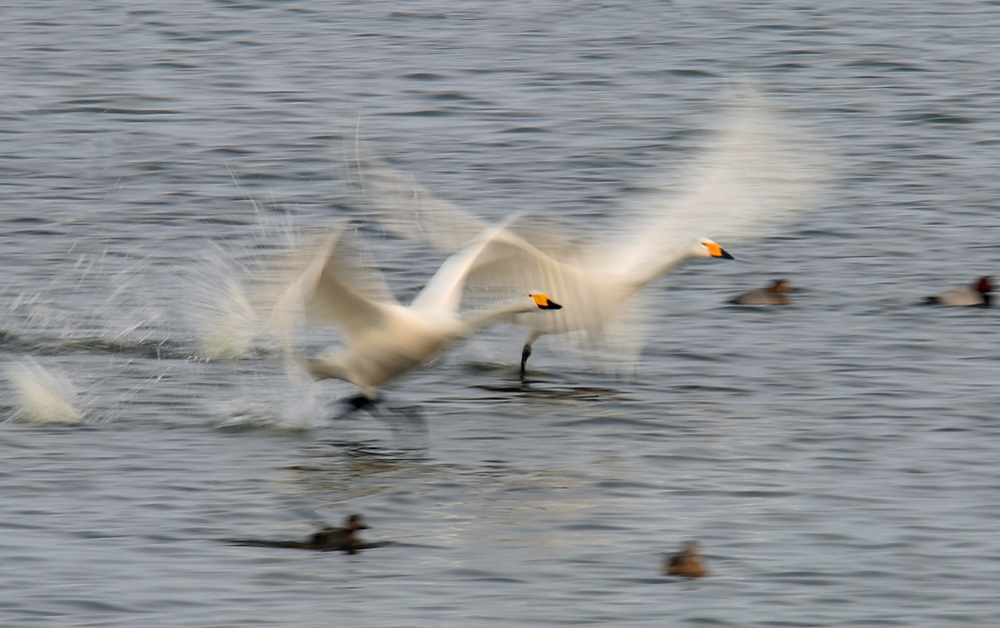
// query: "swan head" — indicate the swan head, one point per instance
point(707, 248)
point(543, 302)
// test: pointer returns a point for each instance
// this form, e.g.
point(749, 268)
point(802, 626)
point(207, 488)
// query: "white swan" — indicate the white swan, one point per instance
point(597, 297)
point(759, 173)
point(383, 339)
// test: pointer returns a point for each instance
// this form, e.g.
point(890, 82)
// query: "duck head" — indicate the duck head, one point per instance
point(355, 522)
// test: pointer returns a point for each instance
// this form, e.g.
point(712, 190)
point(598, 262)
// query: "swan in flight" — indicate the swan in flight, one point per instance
point(759, 172)
point(596, 296)
point(383, 339)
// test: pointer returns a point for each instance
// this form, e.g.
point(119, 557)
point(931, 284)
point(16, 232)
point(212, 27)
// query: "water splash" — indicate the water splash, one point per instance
point(43, 395)
point(233, 294)
point(227, 324)
point(89, 305)
point(294, 407)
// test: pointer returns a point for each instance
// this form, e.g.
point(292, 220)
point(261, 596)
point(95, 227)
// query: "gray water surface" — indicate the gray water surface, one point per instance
point(836, 459)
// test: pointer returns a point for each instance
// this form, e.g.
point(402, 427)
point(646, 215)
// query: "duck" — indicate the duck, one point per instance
point(759, 173)
point(383, 339)
point(344, 539)
point(686, 563)
point(774, 294)
point(977, 293)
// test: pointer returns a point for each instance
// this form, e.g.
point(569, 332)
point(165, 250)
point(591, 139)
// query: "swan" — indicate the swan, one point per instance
point(976, 294)
point(597, 297)
point(383, 339)
point(759, 173)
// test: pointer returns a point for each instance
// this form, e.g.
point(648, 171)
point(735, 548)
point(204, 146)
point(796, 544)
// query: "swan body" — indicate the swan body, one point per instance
point(383, 339)
point(594, 295)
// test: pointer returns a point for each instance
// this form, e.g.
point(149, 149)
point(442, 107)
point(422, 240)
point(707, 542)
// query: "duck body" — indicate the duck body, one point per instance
point(686, 563)
point(978, 293)
point(344, 539)
point(775, 294)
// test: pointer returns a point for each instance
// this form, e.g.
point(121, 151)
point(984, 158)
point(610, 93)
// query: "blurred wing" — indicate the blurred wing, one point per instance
point(408, 210)
point(443, 293)
point(334, 279)
point(600, 316)
point(760, 173)
point(496, 254)
point(503, 265)
point(620, 343)
point(347, 290)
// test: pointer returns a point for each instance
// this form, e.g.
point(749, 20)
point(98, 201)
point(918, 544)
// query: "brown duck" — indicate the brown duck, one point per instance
point(344, 539)
point(686, 563)
point(774, 294)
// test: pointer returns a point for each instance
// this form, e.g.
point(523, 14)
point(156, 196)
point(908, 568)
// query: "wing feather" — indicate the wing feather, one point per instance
point(759, 173)
point(409, 210)
point(332, 279)
point(507, 265)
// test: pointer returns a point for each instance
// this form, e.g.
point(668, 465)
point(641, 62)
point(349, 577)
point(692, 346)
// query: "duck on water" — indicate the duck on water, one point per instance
point(686, 563)
point(328, 538)
point(977, 293)
point(774, 294)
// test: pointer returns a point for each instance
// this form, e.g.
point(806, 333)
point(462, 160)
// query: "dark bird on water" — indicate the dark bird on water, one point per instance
point(686, 563)
point(344, 539)
point(774, 294)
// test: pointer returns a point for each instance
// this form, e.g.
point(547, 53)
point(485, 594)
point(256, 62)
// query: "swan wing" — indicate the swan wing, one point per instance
point(443, 293)
point(760, 172)
point(488, 258)
point(334, 280)
point(504, 265)
point(600, 314)
point(407, 209)
point(345, 288)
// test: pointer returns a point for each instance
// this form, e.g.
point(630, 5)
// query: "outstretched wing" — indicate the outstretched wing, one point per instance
point(408, 210)
point(333, 279)
point(759, 173)
point(502, 264)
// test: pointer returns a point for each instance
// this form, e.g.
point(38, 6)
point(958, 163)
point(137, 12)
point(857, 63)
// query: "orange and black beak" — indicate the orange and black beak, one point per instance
point(544, 302)
point(717, 251)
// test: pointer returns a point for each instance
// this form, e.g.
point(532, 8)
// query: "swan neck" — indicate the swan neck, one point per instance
point(666, 267)
point(490, 316)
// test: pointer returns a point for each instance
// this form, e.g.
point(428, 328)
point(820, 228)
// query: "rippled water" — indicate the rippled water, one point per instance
point(836, 459)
